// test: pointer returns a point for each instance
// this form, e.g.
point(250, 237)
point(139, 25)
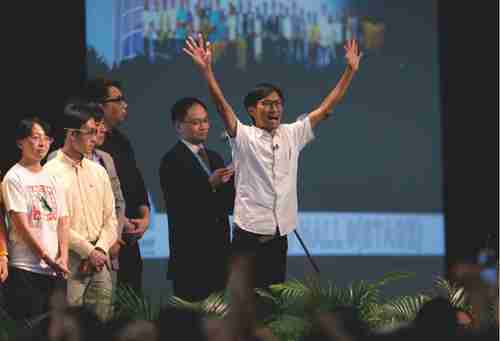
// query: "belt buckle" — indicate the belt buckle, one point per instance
point(266, 238)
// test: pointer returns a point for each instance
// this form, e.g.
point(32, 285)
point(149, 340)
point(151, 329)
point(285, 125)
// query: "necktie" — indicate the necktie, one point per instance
point(202, 153)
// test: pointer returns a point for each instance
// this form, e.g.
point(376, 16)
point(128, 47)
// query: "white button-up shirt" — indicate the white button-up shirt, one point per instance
point(266, 176)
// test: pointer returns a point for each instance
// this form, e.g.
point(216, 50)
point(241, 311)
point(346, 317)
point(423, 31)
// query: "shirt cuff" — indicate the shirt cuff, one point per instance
point(101, 244)
point(84, 249)
point(310, 130)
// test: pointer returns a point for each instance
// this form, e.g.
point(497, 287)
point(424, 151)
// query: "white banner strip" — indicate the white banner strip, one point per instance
point(344, 234)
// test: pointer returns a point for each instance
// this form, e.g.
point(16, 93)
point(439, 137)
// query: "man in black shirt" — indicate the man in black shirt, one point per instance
point(109, 96)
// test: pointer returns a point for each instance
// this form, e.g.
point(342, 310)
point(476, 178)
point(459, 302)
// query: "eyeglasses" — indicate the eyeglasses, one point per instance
point(91, 131)
point(101, 126)
point(119, 99)
point(271, 104)
point(39, 138)
point(197, 122)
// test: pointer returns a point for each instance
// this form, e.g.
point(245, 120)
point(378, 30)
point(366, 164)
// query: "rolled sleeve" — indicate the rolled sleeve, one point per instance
point(241, 137)
point(302, 132)
point(14, 196)
point(79, 244)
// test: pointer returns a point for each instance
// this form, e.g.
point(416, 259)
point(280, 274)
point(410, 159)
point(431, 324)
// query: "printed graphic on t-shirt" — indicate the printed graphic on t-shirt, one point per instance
point(44, 204)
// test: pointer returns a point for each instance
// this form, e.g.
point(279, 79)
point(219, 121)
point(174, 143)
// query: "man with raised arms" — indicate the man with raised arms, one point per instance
point(265, 157)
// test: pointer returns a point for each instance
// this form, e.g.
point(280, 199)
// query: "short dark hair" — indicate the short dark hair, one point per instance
point(25, 127)
point(180, 108)
point(259, 92)
point(77, 112)
point(97, 90)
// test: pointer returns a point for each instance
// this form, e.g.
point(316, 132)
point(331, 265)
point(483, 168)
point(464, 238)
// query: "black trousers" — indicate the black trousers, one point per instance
point(268, 256)
point(202, 274)
point(27, 294)
point(130, 271)
point(194, 288)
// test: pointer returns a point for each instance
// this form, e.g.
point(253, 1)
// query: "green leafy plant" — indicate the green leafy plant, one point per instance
point(215, 306)
point(127, 303)
point(456, 295)
point(400, 309)
point(293, 306)
point(295, 303)
point(8, 327)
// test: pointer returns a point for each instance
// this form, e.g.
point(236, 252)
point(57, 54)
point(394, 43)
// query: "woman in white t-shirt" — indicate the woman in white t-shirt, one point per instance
point(37, 218)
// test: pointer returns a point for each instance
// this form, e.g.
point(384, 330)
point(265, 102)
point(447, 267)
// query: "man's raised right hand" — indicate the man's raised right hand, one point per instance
point(200, 52)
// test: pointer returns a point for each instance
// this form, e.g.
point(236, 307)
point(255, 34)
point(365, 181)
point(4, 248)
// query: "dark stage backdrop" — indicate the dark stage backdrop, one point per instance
point(49, 56)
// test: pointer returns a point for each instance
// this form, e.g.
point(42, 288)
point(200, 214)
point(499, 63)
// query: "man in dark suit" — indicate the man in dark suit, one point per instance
point(199, 195)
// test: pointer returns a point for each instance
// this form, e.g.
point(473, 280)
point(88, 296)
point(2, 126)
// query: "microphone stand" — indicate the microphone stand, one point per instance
point(311, 260)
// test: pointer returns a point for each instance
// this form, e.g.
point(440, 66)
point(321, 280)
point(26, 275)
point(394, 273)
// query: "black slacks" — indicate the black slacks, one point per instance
point(130, 271)
point(27, 294)
point(268, 255)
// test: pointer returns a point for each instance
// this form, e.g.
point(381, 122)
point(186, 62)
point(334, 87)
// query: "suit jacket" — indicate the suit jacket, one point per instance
point(197, 216)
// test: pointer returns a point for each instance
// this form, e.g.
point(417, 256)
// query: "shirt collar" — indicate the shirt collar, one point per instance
point(262, 132)
point(69, 161)
point(195, 148)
